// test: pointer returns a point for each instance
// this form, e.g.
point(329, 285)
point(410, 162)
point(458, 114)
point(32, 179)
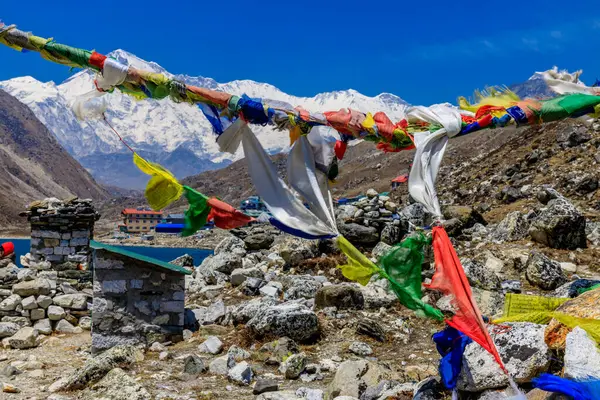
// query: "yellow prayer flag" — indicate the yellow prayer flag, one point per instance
point(163, 188)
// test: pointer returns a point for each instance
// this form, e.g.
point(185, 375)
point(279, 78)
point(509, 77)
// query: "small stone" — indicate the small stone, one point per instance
point(157, 347)
point(29, 303)
point(293, 366)
point(582, 356)
point(371, 193)
point(56, 313)
point(211, 345)
point(265, 385)
point(371, 328)
point(25, 338)
point(85, 323)
point(164, 355)
point(8, 329)
point(340, 296)
point(44, 301)
point(543, 272)
point(360, 349)
point(238, 353)
point(193, 365)
point(10, 303)
point(241, 373)
point(37, 314)
point(8, 388)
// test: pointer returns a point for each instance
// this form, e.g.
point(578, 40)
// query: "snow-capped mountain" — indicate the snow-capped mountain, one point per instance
point(175, 135)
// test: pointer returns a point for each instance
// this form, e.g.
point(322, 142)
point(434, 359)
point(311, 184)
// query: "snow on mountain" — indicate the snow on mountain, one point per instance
point(177, 135)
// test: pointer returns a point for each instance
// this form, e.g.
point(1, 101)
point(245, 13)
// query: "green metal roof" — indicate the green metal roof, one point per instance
point(139, 257)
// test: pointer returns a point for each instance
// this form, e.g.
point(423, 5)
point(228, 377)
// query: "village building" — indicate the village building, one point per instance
point(137, 299)
point(140, 220)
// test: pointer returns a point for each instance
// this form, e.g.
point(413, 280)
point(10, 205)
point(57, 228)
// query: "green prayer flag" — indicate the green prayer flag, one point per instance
point(197, 212)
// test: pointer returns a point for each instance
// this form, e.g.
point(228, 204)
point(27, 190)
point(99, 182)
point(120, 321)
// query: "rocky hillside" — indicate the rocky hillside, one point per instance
point(34, 165)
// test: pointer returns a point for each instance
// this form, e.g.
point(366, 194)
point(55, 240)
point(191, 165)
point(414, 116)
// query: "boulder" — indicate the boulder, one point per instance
point(97, 367)
point(377, 294)
point(8, 329)
point(289, 319)
point(559, 225)
point(346, 212)
point(214, 313)
point(509, 194)
point(543, 272)
point(582, 356)
point(480, 276)
point(259, 241)
point(429, 389)
point(44, 301)
point(416, 214)
point(10, 303)
point(231, 244)
point(28, 303)
point(251, 286)
point(522, 349)
point(210, 292)
point(25, 338)
point(280, 348)
point(272, 288)
point(300, 287)
point(238, 276)
point(293, 366)
point(353, 377)
point(77, 301)
point(380, 250)
point(359, 234)
point(513, 227)
point(211, 345)
point(297, 251)
point(246, 311)
point(63, 326)
point(184, 261)
point(34, 287)
point(340, 296)
point(222, 262)
point(193, 365)
point(221, 365)
point(371, 328)
point(586, 306)
point(467, 216)
point(572, 136)
point(241, 373)
point(265, 385)
point(117, 385)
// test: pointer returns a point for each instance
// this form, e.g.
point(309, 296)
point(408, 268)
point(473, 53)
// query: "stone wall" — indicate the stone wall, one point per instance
point(61, 230)
point(135, 302)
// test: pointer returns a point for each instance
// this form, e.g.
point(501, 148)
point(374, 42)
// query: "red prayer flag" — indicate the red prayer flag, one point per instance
point(225, 216)
point(450, 279)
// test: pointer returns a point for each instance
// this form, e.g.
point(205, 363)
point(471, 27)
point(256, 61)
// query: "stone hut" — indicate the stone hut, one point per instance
point(61, 231)
point(137, 299)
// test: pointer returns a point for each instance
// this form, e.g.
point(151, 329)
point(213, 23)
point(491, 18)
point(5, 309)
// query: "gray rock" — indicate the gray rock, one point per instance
point(241, 373)
point(340, 296)
point(63, 326)
point(193, 365)
point(360, 349)
point(543, 272)
point(290, 319)
point(301, 287)
point(522, 349)
point(43, 326)
point(76, 301)
point(28, 303)
point(25, 338)
point(56, 313)
point(37, 314)
point(559, 225)
point(85, 323)
point(381, 249)
point(251, 286)
point(346, 212)
point(265, 385)
point(573, 136)
point(238, 353)
point(211, 345)
point(117, 385)
point(359, 234)
point(293, 366)
point(21, 321)
point(480, 276)
point(222, 262)
point(184, 261)
point(429, 389)
point(34, 287)
point(221, 365)
point(348, 379)
point(10, 303)
point(231, 244)
point(511, 286)
point(371, 193)
point(212, 291)
point(97, 367)
point(297, 251)
point(582, 356)
point(512, 228)
point(371, 328)
point(26, 274)
point(239, 275)
point(44, 301)
point(8, 329)
point(377, 294)
point(280, 348)
point(215, 313)
point(309, 394)
point(259, 241)
point(273, 289)
point(246, 311)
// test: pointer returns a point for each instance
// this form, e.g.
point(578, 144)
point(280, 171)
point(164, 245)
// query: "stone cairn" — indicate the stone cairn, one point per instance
point(53, 289)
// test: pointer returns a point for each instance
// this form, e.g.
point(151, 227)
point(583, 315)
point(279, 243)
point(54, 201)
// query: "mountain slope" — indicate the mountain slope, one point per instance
point(34, 165)
point(177, 135)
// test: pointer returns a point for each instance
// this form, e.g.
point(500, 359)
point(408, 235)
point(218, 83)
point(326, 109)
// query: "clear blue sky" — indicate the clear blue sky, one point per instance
point(423, 51)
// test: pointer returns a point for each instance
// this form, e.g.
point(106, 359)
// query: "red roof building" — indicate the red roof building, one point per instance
point(140, 220)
